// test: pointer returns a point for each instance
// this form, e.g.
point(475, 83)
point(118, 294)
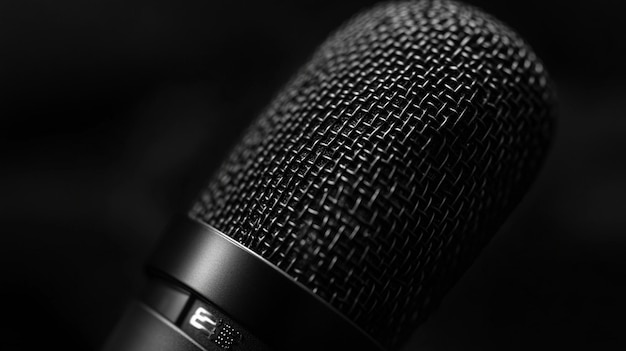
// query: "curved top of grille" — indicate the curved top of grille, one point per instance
point(381, 169)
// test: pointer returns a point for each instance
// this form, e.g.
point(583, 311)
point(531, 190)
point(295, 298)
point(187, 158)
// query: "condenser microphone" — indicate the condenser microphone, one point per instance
point(360, 195)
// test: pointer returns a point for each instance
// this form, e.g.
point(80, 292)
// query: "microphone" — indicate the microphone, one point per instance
point(360, 195)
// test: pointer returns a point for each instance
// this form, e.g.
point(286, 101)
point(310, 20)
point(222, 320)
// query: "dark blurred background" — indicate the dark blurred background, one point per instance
point(115, 112)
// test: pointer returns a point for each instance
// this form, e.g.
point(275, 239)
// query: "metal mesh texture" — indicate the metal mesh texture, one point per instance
point(382, 168)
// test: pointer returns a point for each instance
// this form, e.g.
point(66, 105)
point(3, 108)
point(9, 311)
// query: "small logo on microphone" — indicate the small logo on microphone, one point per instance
point(204, 321)
point(214, 329)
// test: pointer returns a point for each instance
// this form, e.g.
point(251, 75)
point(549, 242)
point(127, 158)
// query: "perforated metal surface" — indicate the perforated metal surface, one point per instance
point(379, 172)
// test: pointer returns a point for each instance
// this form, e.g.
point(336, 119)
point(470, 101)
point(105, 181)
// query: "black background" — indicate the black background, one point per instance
point(114, 113)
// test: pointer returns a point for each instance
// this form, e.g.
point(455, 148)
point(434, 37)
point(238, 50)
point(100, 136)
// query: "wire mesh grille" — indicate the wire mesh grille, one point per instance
point(378, 173)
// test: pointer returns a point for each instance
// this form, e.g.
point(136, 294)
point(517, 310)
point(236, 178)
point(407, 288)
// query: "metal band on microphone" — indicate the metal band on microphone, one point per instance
point(269, 303)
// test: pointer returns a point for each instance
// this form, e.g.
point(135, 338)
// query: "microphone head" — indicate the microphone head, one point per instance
point(380, 171)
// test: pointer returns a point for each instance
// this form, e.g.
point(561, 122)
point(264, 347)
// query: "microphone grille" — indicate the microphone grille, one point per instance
point(379, 172)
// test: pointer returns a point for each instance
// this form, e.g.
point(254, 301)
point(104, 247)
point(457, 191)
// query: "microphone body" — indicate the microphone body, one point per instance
point(362, 193)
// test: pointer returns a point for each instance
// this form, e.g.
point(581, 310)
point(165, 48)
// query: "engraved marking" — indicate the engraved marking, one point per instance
point(204, 321)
